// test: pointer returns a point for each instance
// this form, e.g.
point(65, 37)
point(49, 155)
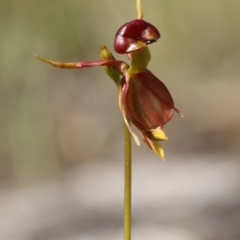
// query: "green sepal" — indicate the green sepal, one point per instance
point(112, 72)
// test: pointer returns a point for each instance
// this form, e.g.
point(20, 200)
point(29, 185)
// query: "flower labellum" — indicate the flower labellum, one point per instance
point(134, 35)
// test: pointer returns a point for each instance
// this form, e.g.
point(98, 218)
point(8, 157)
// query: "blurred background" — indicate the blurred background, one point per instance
point(61, 133)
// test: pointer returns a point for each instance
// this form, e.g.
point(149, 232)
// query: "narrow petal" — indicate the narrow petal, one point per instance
point(78, 65)
point(126, 121)
point(155, 146)
point(179, 112)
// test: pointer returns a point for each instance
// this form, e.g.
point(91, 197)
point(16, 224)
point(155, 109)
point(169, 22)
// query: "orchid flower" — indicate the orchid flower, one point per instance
point(143, 99)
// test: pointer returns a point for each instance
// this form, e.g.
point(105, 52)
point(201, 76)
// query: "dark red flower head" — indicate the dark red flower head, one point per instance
point(134, 35)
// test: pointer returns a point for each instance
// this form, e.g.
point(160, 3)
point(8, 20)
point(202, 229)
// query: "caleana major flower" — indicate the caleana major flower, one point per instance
point(144, 100)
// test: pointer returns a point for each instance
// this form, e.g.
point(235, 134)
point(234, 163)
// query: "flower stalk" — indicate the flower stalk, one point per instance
point(127, 185)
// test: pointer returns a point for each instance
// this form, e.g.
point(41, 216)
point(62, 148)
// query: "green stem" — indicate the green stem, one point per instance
point(127, 185)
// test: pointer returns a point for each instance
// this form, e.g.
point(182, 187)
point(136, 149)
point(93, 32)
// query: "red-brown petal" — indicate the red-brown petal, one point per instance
point(119, 65)
point(147, 101)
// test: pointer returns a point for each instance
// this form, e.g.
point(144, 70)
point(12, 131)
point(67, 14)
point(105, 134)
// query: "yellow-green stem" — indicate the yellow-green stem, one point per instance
point(127, 185)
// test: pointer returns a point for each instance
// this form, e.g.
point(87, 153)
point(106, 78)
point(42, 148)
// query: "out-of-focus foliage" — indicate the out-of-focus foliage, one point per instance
point(52, 119)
